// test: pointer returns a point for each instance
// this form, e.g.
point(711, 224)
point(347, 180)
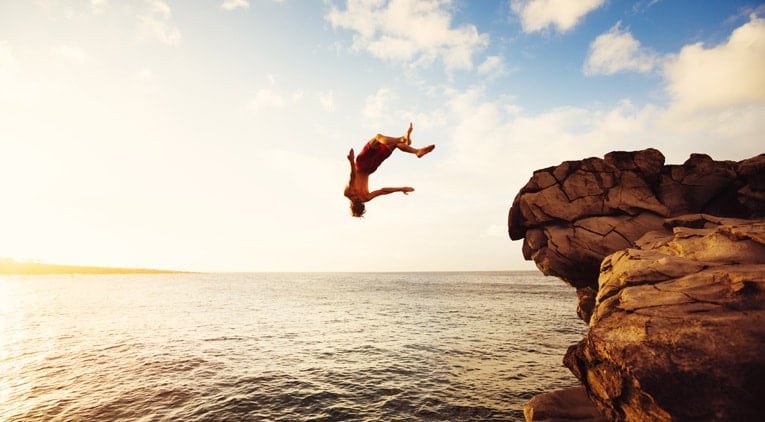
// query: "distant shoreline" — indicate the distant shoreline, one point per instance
point(12, 267)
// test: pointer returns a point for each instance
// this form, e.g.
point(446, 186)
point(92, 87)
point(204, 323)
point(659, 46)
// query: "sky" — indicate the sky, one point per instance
point(211, 135)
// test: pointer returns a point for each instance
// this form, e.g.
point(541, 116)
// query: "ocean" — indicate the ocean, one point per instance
point(463, 346)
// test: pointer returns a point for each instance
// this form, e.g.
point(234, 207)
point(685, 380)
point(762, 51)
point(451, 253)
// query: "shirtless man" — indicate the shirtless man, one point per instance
point(371, 156)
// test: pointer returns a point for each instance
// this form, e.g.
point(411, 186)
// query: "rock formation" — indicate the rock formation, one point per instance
point(679, 325)
point(669, 265)
point(568, 405)
point(573, 215)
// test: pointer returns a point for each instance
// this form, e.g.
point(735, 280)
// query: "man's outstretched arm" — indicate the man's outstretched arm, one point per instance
point(384, 191)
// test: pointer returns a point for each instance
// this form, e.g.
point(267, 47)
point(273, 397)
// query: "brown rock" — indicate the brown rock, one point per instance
point(581, 211)
point(569, 405)
point(678, 329)
point(669, 266)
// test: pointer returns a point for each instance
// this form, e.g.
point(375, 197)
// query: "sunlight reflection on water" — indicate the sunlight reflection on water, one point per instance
point(409, 346)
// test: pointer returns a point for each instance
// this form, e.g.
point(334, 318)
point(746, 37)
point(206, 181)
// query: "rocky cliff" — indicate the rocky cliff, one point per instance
point(669, 265)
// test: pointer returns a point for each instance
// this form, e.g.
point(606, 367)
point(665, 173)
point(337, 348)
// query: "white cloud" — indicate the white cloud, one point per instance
point(492, 141)
point(60, 9)
point(727, 75)
point(327, 100)
point(145, 74)
point(698, 78)
point(377, 106)
point(8, 63)
point(493, 66)
point(617, 51)
point(268, 98)
point(156, 23)
point(15, 85)
point(71, 52)
point(98, 5)
point(485, 133)
point(410, 31)
point(643, 5)
point(271, 98)
point(235, 4)
point(717, 107)
point(496, 230)
point(564, 15)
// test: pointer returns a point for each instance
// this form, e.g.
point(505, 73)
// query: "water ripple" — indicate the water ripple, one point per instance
point(289, 347)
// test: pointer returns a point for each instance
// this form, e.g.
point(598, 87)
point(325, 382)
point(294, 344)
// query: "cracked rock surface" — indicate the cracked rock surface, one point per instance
point(669, 266)
point(573, 215)
point(679, 325)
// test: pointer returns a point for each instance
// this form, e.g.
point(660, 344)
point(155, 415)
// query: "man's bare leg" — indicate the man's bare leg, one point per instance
point(389, 140)
point(404, 143)
point(419, 152)
point(424, 150)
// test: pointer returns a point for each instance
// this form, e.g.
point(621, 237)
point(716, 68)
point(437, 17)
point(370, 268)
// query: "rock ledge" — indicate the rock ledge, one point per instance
point(669, 266)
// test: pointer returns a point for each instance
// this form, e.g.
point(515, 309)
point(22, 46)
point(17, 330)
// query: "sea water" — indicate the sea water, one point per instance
point(282, 347)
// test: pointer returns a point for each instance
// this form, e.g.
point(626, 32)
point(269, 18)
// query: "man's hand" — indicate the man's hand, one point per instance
point(351, 155)
point(405, 190)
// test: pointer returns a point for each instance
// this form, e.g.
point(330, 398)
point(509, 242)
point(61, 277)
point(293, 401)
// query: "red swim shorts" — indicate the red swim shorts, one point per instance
point(373, 154)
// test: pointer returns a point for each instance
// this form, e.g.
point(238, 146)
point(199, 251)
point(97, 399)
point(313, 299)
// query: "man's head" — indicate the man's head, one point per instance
point(357, 208)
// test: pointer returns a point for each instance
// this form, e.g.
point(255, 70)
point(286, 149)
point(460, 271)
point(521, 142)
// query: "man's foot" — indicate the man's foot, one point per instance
point(408, 137)
point(425, 150)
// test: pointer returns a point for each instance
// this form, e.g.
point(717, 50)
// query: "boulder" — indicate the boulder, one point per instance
point(678, 328)
point(568, 405)
point(571, 216)
point(668, 262)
